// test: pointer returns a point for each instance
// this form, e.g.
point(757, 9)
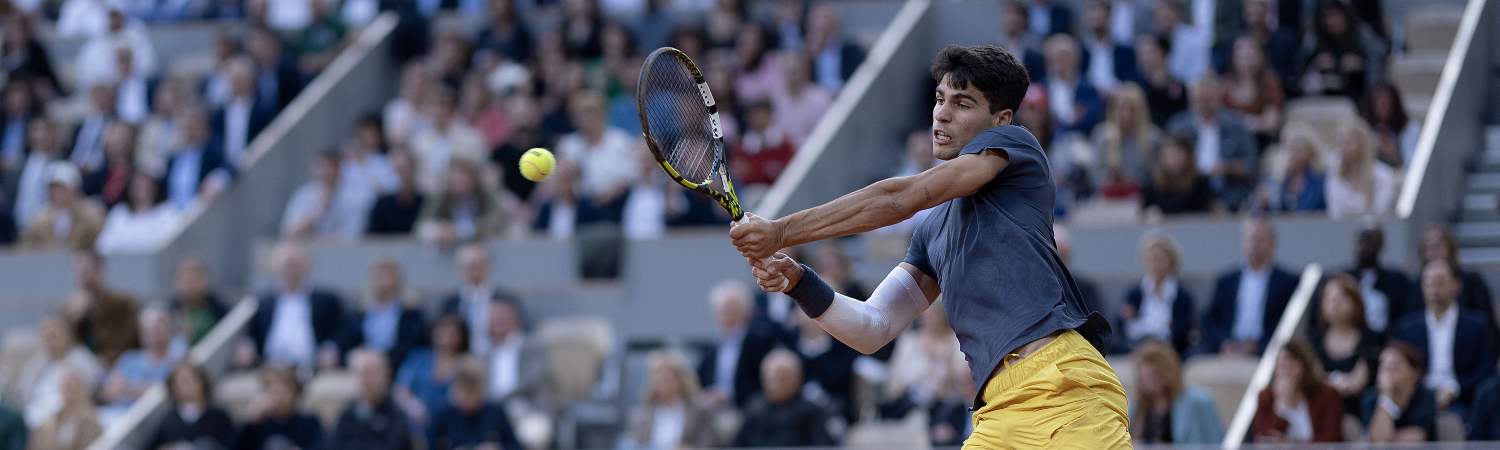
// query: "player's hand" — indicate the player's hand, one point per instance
point(756, 237)
point(777, 273)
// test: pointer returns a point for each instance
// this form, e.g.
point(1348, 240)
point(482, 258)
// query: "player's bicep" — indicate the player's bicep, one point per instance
point(959, 177)
point(927, 283)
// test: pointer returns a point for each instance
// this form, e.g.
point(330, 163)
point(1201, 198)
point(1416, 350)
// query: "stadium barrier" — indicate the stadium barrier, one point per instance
point(1291, 324)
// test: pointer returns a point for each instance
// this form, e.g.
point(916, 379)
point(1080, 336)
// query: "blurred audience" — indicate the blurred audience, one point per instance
point(88, 139)
point(1337, 63)
point(800, 103)
point(1395, 132)
point(1302, 186)
point(1484, 417)
point(1400, 408)
point(423, 382)
point(386, 321)
point(1075, 103)
point(833, 57)
point(1248, 301)
point(1253, 89)
point(33, 177)
point(138, 224)
point(327, 206)
point(828, 368)
point(140, 369)
point(242, 116)
point(516, 365)
point(1106, 62)
point(74, 426)
point(764, 150)
point(1460, 344)
point(1298, 406)
point(195, 307)
point(781, 417)
point(1166, 94)
point(474, 295)
point(1224, 149)
point(471, 421)
point(67, 219)
point(197, 166)
point(1159, 308)
point(39, 384)
point(396, 212)
point(446, 140)
point(297, 323)
point(108, 184)
point(372, 421)
point(1175, 186)
point(730, 370)
point(672, 414)
point(277, 423)
point(1125, 142)
point(466, 210)
point(1387, 293)
point(193, 421)
point(1166, 409)
point(1188, 55)
point(1346, 346)
point(603, 155)
point(95, 310)
point(1474, 293)
point(13, 431)
point(1361, 185)
point(921, 359)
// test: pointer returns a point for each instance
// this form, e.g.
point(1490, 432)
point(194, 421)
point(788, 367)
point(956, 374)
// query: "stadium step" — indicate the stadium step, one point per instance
point(1478, 234)
point(1484, 182)
point(1479, 256)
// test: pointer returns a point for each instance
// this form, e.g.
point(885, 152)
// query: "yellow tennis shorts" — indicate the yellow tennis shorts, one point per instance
point(1063, 395)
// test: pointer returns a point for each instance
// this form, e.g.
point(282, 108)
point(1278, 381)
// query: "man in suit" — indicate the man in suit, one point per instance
point(197, 167)
point(1075, 104)
point(296, 324)
point(1015, 36)
point(30, 180)
point(473, 298)
point(384, 322)
point(277, 81)
point(1387, 293)
point(1460, 343)
point(783, 417)
point(1248, 301)
point(834, 59)
point(15, 117)
point(516, 363)
point(1048, 18)
point(243, 115)
point(88, 139)
point(730, 370)
point(1225, 150)
point(1106, 62)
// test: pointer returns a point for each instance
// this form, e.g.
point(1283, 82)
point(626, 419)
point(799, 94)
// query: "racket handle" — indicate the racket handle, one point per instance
point(785, 283)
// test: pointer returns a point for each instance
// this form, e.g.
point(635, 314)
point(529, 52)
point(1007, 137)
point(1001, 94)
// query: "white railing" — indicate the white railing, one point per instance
point(1291, 320)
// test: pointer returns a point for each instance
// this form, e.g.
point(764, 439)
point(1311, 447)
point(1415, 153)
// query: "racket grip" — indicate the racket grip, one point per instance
point(785, 283)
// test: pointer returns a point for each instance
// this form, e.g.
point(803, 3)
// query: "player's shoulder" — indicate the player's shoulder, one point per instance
point(1007, 138)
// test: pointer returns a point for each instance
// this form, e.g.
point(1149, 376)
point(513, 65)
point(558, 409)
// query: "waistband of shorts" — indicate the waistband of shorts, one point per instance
point(1063, 345)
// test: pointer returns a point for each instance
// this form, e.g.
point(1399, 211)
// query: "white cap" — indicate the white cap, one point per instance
point(63, 172)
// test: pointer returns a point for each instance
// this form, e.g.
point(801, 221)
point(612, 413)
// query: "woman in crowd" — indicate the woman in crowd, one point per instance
point(278, 423)
point(1175, 186)
point(1159, 307)
point(1400, 409)
point(1298, 406)
point(424, 378)
point(1395, 131)
point(1124, 143)
point(1253, 89)
point(192, 422)
point(1303, 185)
point(465, 211)
point(1165, 409)
point(1337, 64)
point(1360, 184)
point(1438, 243)
point(75, 425)
point(1166, 95)
point(672, 416)
point(918, 364)
point(1346, 347)
point(140, 223)
point(760, 74)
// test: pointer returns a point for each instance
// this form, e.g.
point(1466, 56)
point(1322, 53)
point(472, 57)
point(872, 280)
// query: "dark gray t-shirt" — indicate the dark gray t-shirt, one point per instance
point(993, 255)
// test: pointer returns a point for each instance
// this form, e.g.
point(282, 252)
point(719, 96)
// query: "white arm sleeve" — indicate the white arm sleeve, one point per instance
point(869, 325)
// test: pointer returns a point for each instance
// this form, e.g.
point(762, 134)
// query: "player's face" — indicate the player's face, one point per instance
point(957, 116)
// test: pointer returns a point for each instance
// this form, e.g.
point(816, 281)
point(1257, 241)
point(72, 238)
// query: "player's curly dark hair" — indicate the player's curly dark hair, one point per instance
point(991, 69)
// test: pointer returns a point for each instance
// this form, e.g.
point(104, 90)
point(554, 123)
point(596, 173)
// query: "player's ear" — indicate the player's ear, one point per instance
point(1003, 117)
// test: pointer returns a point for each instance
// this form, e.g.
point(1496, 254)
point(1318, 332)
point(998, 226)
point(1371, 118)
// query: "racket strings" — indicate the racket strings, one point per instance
point(678, 119)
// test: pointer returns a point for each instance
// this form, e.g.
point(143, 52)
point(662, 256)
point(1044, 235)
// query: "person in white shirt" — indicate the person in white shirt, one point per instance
point(95, 60)
point(649, 201)
point(1159, 307)
point(296, 323)
point(83, 18)
point(1189, 58)
point(472, 299)
point(142, 223)
point(38, 385)
point(1361, 184)
point(1248, 300)
point(603, 153)
point(402, 116)
point(1461, 344)
point(31, 189)
point(365, 169)
point(673, 414)
point(517, 364)
point(325, 207)
point(88, 139)
point(130, 91)
point(447, 139)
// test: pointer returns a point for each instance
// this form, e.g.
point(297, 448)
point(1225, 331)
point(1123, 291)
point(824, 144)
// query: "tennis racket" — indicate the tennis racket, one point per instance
point(680, 123)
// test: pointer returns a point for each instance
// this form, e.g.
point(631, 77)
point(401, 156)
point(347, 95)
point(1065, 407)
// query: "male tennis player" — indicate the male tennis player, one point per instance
point(987, 247)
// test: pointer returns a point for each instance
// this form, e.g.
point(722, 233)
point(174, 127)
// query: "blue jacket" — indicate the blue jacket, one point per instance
point(1474, 345)
point(1219, 321)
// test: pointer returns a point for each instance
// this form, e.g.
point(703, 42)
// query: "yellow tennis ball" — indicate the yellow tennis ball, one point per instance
point(537, 163)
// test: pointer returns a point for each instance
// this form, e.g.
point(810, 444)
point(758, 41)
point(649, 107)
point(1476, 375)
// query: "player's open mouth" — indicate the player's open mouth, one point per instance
point(941, 138)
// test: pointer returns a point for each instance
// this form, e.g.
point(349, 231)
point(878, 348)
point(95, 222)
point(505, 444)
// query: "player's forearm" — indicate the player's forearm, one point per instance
point(878, 205)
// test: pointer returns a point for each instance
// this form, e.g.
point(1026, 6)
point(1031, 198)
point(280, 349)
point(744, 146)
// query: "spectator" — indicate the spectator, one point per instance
point(603, 155)
point(828, 366)
point(19, 110)
point(1395, 132)
point(1159, 307)
point(1454, 370)
point(277, 81)
point(1362, 185)
point(471, 422)
point(653, 27)
point(423, 382)
point(917, 368)
point(68, 219)
point(1125, 142)
point(1166, 409)
point(372, 420)
point(729, 370)
point(1016, 37)
point(320, 41)
point(1337, 64)
point(142, 224)
point(1047, 18)
point(402, 116)
point(326, 207)
point(1225, 150)
point(448, 139)
point(32, 183)
point(1075, 103)
point(385, 322)
point(781, 417)
point(1474, 293)
point(834, 58)
point(1248, 301)
point(1400, 409)
point(465, 211)
point(1089, 290)
point(1188, 53)
point(192, 419)
point(1484, 418)
point(1175, 186)
point(140, 369)
point(88, 139)
point(1278, 42)
point(277, 422)
point(74, 425)
point(649, 202)
point(506, 35)
point(94, 310)
point(195, 306)
point(296, 323)
point(366, 165)
point(759, 73)
point(1298, 406)
point(672, 414)
point(242, 116)
point(516, 365)
point(116, 33)
point(1345, 344)
point(581, 26)
point(131, 88)
point(1252, 89)
point(1128, 19)
point(1166, 95)
point(526, 116)
point(1386, 292)
point(12, 429)
point(800, 104)
point(449, 59)
point(26, 61)
point(764, 150)
point(624, 78)
point(948, 417)
point(478, 106)
point(111, 180)
point(1302, 187)
point(154, 144)
point(1105, 62)
point(197, 168)
point(474, 295)
point(40, 380)
point(396, 213)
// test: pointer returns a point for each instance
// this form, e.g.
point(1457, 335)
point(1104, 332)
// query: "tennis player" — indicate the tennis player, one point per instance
point(987, 247)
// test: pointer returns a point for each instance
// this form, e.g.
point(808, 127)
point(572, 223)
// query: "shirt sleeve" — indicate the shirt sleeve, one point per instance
point(916, 253)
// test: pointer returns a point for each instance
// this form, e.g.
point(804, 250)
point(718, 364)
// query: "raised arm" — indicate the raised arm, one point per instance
point(864, 325)
point(878, 205)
